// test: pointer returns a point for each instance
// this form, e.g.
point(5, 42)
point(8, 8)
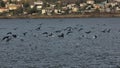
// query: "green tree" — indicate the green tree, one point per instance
point(9, 1)
point(26, 5)
point(2, 4)
point(19, 10)
point(32, 10)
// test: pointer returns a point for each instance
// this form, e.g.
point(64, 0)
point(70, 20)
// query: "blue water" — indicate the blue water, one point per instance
point(97, 45)
point(85, 20)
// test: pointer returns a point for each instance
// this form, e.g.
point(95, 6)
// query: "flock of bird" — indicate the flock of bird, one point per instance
point(57, 33)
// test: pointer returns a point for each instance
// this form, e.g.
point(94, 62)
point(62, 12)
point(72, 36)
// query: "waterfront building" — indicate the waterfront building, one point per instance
point(90, 1)
point(3, 10)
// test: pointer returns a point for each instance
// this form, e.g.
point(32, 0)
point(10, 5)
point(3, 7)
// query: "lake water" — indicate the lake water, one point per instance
point(60, 43)
point(86, 20)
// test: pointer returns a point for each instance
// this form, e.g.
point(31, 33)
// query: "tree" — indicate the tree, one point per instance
point(32, 10)
point(26, 5)
point(2, 4)
point(19, 10)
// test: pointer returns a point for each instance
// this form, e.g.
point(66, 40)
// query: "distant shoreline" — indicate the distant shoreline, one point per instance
point(63, 16)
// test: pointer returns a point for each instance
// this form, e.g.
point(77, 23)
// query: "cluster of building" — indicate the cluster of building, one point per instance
point(39, 7)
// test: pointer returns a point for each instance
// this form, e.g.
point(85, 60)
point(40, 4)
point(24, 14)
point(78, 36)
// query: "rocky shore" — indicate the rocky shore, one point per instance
point(63, 16)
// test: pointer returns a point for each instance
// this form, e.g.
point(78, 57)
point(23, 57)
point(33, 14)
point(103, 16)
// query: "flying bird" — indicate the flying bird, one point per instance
point(61, 36)
point(88, 32)
point(9, 33)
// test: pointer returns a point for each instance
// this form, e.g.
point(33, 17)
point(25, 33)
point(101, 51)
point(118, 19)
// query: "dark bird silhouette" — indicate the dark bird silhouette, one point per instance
point(61, 36)
point(34, 35)
point(88, 32)
point(68, 29)
point(103, 31)
point(118, 30)
point(75, 28)
point(38, 28)
point(108, 30)
point(58, 31)
point(14, 36)
point(22, 40)
point(24, 33)
point(104, 24)
point(9, 33)
point(83, 36)
point(6, 38)
point(51, 34)
point(45, 33)
point(40, 24)
point(80, 29)
point(28, 21)
point(95, 36)
point(68, 32)
point(15, 28)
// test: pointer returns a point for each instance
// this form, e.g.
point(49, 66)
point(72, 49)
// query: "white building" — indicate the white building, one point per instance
point(75, 9)
point(38, 4)
point(117, 0)
point(3, 10)
point(90, 2)
point(43, 11)
point(5, 0)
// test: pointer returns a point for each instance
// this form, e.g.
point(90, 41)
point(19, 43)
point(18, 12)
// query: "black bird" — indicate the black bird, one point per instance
point(51, 34)
point(15, 28)
point(24, 33)
point(108, 30)
point(22, 40)
point(38, 28)
point(40, 24)
point(61, 36)
point(80, 29)
point(88, 32)
point(68, 32)
point(104, 24)
point(58, 31)
point(9, 33)
point(95, 36)
point(118, 30)
point(7, 38)
point(34, 35)
point(103, 31)
point(28, 21)
point(68, 29)
point(45, 33)
point(14, 36)
point(75, 28)
point(83, 36)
